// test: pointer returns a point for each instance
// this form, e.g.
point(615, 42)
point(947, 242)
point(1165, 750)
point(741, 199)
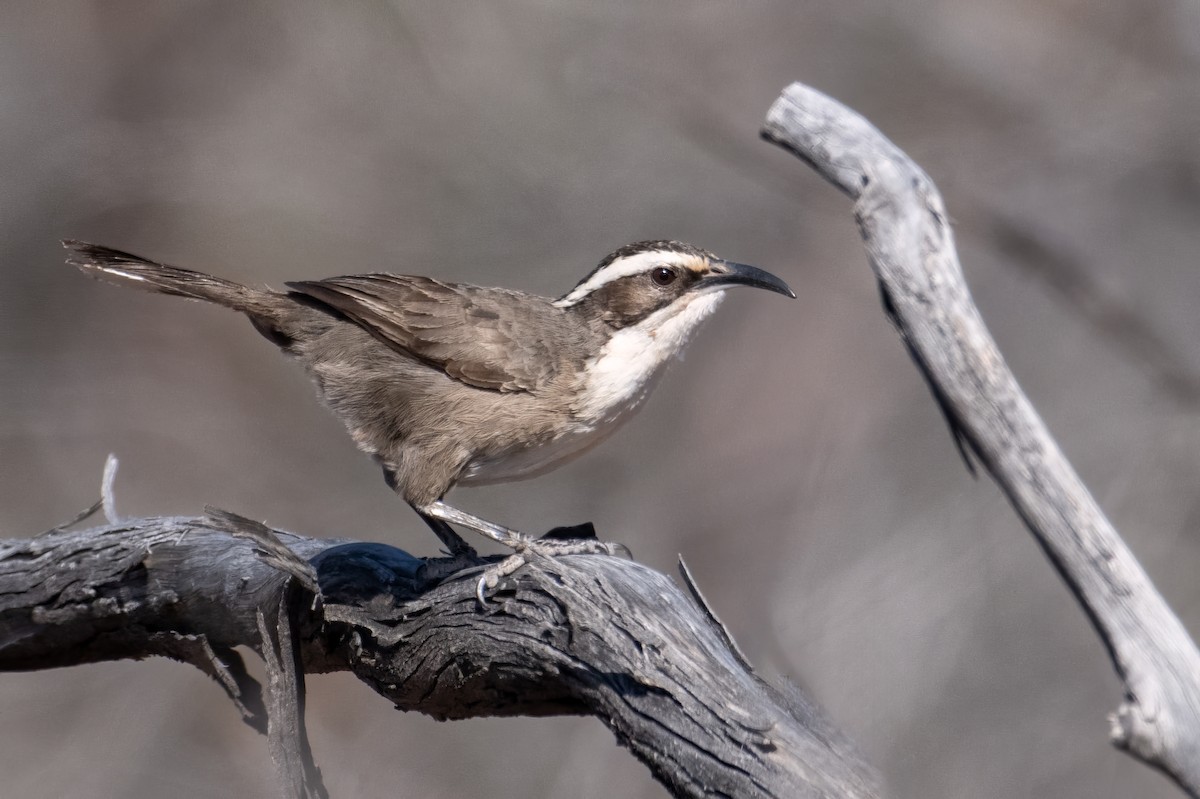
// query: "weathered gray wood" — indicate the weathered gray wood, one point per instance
point(576, 635)
point(911, 249)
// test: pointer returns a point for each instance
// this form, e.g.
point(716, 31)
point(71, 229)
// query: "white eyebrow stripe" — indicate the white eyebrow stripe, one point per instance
point(622, 267)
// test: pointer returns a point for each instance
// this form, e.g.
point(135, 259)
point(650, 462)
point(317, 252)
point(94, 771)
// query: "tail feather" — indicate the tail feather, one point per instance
point(126, 269)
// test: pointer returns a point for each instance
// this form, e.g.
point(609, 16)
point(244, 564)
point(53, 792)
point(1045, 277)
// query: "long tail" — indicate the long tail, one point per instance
point(126, 269)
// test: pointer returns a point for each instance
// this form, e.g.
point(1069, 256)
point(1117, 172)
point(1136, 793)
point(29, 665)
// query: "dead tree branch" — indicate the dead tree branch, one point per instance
point(577, 635)
point(911, 249)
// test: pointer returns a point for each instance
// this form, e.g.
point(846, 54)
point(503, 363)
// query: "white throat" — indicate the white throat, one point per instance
point(621, 376)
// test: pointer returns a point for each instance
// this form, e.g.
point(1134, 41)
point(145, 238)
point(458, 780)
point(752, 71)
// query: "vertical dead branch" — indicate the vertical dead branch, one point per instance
point(911, 249)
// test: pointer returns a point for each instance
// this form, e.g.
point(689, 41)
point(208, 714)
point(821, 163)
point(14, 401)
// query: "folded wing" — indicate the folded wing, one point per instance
point(488, 338)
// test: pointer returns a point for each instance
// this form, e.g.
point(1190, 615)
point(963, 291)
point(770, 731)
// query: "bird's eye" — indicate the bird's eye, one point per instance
point(662, 276)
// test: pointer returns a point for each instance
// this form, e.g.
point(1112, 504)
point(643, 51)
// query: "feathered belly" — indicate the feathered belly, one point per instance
point(525, 462)
point(576, 438)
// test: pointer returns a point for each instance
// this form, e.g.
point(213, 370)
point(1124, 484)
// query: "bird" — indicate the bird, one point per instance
point(449, 384)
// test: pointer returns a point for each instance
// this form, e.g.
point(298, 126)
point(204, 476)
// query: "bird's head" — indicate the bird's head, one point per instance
point(659, 280)
point(651, 296)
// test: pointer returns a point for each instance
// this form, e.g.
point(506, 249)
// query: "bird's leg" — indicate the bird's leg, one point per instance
point(521, 544)
point(455, 546)
point(439, 511)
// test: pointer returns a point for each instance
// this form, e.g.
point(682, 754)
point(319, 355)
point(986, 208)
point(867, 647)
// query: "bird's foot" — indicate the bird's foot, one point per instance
point(579, 539)
point(553, 544)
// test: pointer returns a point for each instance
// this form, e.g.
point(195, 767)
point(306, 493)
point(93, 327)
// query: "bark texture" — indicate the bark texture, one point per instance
point(575, 635)
point(911, 249)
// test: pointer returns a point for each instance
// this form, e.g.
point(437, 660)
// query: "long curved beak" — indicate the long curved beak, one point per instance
point(728, 273)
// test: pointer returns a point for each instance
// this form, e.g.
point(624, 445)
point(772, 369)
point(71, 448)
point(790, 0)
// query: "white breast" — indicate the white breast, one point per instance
point(627, 367)
point(619, 379)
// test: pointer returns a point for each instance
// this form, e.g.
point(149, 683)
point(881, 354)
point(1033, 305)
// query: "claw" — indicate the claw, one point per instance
point(493, 574)
point(579, 539)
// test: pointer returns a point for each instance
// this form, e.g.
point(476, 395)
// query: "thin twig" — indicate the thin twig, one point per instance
point(702, 602)
point(108, 499)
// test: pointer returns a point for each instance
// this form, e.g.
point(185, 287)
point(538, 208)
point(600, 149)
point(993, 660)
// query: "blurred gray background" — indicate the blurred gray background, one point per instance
point(795, 459)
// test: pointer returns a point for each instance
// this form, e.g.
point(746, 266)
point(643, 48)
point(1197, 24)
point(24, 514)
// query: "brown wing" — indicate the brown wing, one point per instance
point(488, 338)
